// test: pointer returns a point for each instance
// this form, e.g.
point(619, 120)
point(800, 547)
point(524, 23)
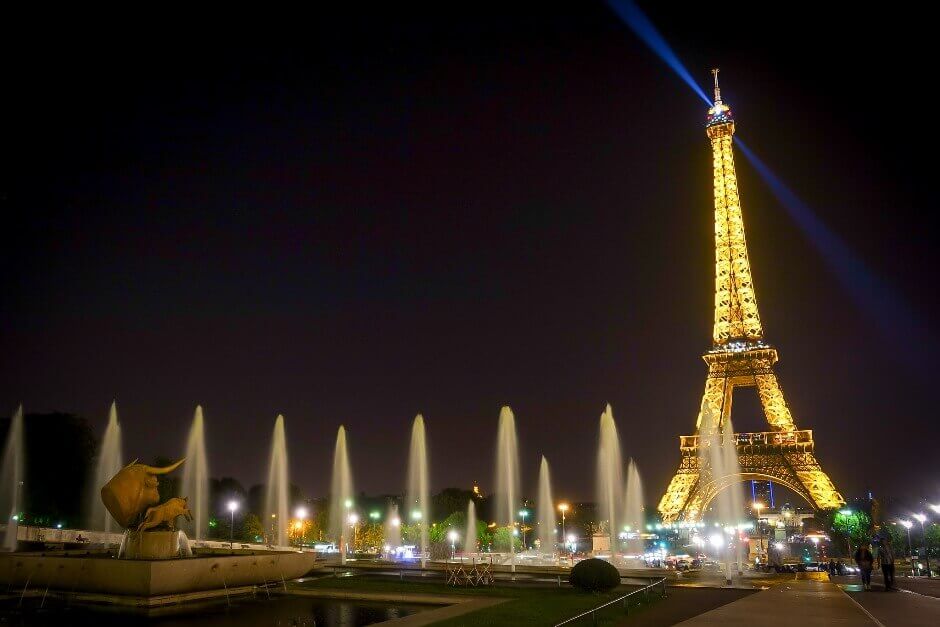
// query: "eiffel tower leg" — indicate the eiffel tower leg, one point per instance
point(681, 489)
point(717, 397)
point(815, 481)
point(775, 406)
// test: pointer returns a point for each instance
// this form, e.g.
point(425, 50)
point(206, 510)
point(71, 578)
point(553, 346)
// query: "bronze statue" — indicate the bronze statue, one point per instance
point(133, 490)
point(166, 513)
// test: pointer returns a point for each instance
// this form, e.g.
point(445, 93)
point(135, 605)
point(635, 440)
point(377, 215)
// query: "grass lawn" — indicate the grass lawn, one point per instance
point(526, 605)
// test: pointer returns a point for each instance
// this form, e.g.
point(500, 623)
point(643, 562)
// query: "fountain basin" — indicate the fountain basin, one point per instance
point(143, 582)
point(152, 545)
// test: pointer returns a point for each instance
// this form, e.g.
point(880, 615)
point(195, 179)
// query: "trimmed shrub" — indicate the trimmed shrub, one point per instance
point(594, 575)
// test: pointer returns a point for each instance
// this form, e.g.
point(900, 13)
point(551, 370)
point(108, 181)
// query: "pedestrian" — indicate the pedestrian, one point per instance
point(886, 557)
point(864, 560)
point(832, 567)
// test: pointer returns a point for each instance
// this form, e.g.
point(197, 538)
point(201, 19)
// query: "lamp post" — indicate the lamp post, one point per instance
point(921, 519)
point(353, 521)
point(416, 515)
point(760, 536)
point(302, 515)
point(232, 506)
point(563, 507)
point(453, 543)
point(522, 514)
point(342, 536)
point(907, 525)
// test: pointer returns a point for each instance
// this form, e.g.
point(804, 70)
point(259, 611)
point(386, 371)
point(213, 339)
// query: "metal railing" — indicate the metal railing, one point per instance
point(625, 599)
point(765, 438)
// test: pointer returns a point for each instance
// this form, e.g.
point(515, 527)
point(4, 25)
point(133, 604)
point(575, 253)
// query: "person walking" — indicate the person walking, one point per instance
point(886, 557)
point(865, 561)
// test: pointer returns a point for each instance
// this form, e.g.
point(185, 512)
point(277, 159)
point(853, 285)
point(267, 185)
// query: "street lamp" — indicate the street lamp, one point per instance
point(907, 525)
point(375, 515)
point(563, 507)
point(353, 519)
point(760, 536)
point(522, 514)
point(453, 543)
point(232, 506)
point(921, 519)
point(302, 515)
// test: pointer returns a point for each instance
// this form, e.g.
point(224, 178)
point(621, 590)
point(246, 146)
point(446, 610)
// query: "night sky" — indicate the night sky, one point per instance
point(353, 218)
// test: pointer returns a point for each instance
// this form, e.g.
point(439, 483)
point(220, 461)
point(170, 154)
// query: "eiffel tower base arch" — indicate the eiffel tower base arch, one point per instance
point(785, 457)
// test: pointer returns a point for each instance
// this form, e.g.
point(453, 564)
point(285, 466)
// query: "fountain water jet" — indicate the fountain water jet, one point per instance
point(341, 491)
point(110, 461)
point(721, 455)
point(633, 509)
point(392, 527)
point(196, 479)
point(545, 511)
point(275, 499)
point(11, 477)
point(417, 496)
point(507, 477)
point(471, 537)
point(609, 476)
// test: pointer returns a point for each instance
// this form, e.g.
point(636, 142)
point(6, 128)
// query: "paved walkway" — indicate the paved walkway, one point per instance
point(799, 602)
point(904, 607)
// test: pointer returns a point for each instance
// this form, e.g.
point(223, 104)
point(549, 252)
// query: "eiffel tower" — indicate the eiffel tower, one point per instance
point(739, 357)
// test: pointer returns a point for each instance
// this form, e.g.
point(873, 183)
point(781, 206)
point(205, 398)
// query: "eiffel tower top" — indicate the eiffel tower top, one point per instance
point(720, 113)
point(737, 321)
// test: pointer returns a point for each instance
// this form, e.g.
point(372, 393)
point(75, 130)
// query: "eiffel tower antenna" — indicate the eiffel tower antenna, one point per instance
point(739, 357)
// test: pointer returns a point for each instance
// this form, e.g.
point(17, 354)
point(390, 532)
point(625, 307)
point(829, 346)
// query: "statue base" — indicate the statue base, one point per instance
point(154, 545)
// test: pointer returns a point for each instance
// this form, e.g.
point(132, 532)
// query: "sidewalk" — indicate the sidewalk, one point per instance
point(896, 608)
point(803, 602)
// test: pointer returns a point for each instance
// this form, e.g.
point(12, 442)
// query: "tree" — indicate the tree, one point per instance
point(501, 538)
point(169, 485)
point(449, 501)
point(854, 527)
point(370, 537)
point(60, 450)
point(933, 537)
point(252, 530)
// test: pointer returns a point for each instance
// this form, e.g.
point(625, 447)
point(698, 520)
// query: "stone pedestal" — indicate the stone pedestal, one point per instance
point(152, 545)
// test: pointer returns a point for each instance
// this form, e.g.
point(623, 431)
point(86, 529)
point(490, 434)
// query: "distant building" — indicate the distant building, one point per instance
point(763, 492)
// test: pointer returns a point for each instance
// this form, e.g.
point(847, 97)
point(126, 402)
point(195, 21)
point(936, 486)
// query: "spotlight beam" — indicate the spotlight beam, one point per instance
point(643, 28)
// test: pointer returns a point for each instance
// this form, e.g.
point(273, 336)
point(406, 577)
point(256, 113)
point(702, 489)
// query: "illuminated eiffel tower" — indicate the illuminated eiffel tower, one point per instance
point(740, 358)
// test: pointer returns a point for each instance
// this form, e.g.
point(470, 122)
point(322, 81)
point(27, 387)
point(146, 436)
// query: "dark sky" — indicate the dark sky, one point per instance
point(352, 218)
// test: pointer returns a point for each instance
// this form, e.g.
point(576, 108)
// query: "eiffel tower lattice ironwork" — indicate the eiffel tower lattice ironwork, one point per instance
point(740, 358)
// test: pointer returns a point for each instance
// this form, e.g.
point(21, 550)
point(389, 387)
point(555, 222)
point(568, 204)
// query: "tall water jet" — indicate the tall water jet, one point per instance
point(110, 461)
point(11, 478)
point(633, 517)
point(718, 451)
point(417, 496)
point(341, 492)
point(471, 537)
point(507, 477)
point(196, 479)
point(392, 527)
point(545, 511)
point(609, 476)
point(275, 499)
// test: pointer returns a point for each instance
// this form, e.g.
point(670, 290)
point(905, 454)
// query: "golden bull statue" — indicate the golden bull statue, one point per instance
point(133, 490)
